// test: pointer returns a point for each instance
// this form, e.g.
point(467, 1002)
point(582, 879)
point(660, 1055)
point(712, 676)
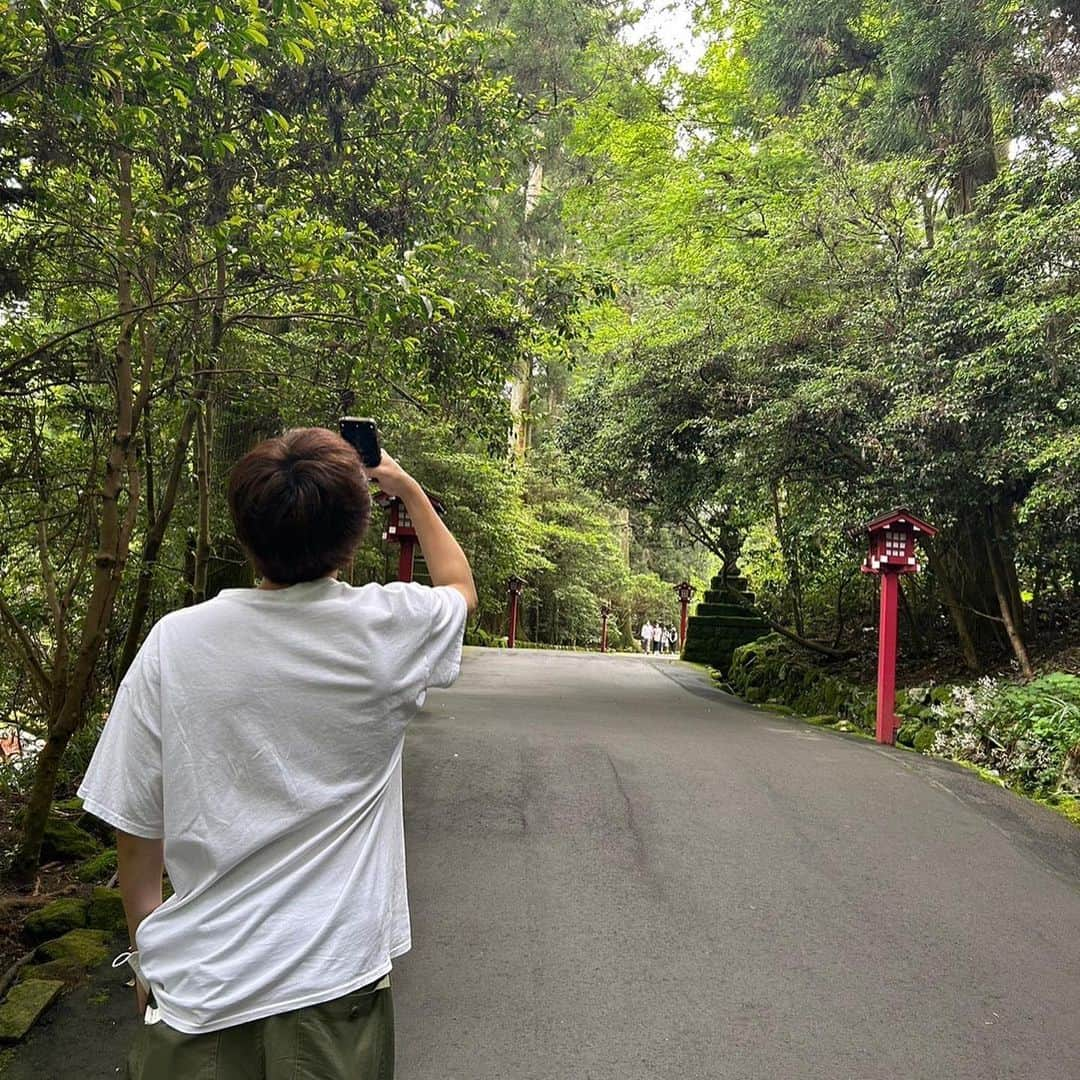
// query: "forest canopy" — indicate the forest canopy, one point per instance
point(632, 323)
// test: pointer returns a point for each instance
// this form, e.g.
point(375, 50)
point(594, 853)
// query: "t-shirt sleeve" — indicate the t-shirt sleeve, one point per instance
point(448, 614)
point(122, 786)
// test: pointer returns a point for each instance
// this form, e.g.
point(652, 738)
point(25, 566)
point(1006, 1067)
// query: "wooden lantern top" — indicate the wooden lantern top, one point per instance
point(901, 517)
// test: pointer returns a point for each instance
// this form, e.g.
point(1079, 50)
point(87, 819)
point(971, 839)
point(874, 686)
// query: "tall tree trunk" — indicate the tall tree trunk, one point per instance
point(155, 537)
point(944, 580)
point(521, 379)
point(1015, 632)
point(114, 536)
point(791, 562)
point(202, 481)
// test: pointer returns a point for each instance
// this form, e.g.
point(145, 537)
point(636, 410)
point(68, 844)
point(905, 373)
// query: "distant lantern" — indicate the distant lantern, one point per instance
point(605, 614)
point(892, 553)
point(514, 587)
point(685, 592)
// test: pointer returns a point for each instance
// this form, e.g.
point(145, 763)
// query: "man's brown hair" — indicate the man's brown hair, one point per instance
point(300, 504)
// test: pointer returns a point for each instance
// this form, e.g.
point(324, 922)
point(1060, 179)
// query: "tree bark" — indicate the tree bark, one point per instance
point(155, 537)
point(791, 562)
point(1016, 636)
point(202, 478)
point(113, 538)
point(956, 612)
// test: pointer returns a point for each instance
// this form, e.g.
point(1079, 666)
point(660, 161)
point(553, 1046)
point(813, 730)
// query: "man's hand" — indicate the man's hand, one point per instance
point(392, 478)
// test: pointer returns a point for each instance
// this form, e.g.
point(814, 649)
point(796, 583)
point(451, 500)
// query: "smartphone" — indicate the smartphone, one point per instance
point(363, 434)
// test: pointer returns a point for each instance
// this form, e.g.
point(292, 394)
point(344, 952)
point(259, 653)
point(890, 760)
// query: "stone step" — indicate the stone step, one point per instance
point(24, 1004)
point(737, 583)
point(717, 624)
point(728, 596)
point(721, 609)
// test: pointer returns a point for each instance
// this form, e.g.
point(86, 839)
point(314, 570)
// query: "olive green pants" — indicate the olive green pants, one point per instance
point(350, 1038)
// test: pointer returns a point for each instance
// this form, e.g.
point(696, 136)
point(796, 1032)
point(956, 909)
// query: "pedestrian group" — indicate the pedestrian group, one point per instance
point(657, 638)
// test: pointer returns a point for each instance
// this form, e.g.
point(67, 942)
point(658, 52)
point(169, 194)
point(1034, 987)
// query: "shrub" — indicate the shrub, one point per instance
point(1028, 733)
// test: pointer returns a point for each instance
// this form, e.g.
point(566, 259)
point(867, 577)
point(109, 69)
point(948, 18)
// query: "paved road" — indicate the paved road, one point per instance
point(615, 877)
point(618, 873)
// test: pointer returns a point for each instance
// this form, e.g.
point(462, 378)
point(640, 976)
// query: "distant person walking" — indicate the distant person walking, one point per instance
point(646, 636)
point(254, 748)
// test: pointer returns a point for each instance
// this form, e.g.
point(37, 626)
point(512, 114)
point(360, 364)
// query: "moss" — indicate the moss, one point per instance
point(99, 868)
point(24, 1004)
point(924, 738)
point(780, 710)
point(107, 910)
point(88, 947)
point(68, 972)
point(64, 840)
point(57, 918)
point(1066, 805)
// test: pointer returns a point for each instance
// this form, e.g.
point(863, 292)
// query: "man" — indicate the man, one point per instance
point(254, 748)
point(646, 636)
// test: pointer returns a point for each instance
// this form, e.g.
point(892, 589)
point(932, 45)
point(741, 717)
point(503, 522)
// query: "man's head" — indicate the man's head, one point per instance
point(300, 504)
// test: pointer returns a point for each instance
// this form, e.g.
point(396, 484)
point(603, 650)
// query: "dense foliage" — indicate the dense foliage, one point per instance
point(632, 323)
point(850, 248)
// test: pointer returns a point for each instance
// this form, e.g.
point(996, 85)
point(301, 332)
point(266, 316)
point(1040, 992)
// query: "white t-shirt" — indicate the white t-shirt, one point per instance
point(260, 735)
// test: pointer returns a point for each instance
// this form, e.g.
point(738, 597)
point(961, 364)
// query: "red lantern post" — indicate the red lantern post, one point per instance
point(399, 530)
point(685, 591)
point(514, 587)
point(892, 553)
point(605, 612)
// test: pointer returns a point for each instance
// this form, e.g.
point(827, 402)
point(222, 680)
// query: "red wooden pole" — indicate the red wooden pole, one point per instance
point(405, 559)
point(682, 623)
point(886, 672)
point(512, 636)
point(603, 635)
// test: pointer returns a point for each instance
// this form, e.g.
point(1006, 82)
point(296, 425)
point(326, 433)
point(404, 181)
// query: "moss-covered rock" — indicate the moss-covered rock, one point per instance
point(100, 868)
point(924, 739)
point(57, 918)
point(87, 947)
point(65, 841)
point(68, 972)
point(24, 1004)
point(107, 910)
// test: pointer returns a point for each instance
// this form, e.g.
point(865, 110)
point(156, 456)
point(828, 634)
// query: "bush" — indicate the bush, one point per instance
point(1026, 733)
point(773, 669)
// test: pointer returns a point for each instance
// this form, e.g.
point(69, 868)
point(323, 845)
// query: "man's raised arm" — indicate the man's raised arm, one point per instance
point(445, 560)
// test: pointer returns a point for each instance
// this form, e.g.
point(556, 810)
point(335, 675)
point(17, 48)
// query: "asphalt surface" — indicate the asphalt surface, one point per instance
point(617, 871)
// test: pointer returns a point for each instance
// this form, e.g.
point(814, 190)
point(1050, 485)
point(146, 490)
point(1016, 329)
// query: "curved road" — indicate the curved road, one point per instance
point(619, 873)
